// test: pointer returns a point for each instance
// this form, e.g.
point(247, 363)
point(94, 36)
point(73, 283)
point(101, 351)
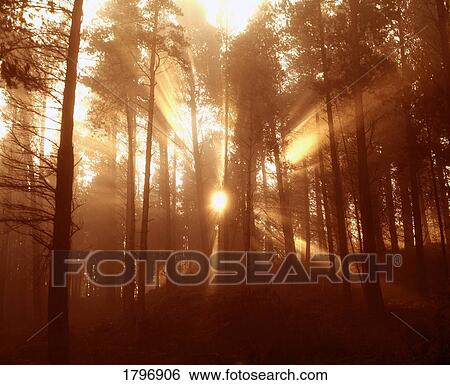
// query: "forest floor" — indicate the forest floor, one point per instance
point(260, 325)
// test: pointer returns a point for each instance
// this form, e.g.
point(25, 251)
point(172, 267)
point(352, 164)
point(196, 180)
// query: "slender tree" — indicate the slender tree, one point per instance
point(335, 163)
point(58, 310)
point(373, 290)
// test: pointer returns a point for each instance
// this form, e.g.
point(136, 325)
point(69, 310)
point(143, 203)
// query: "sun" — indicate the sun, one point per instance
point(219, 201)
point(231, 14)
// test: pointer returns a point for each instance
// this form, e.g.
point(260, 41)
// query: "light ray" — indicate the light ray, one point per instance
point(301, 147)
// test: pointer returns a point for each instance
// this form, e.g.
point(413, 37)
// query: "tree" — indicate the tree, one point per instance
point(335, 164)
point(58, 317)
point(254, 71)
point(199, 181)
point(413, 169)
point(119, 70)
point(30, 55)
point(373, 290)
point(165, 37)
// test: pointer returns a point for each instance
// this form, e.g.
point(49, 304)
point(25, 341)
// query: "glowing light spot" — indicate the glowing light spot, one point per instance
point(219, 201)
point(231, 14)
point(301, 147)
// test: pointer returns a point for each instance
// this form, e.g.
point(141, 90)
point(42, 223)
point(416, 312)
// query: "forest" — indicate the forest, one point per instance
point(285, 126)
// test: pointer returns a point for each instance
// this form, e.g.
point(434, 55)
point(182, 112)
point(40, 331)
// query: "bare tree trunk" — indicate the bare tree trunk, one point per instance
point(165, 191)
point(249, 217)
point(37, 251)
point(406, 211)
point(358, 221)
point(438, 209)
point(335, 164)
point(353, 193)
point(199, 182)
point(115, 242)
point(328, 221)
point(417, 212)
point(224, 225)
point(39, 265)
point(319, 204)
point(268, 241)
point(373, 291)
point(378, 223)
point(390, 209)
point(286, 220)
point(413, 168)
point(306, 212)
point(130, 235)
point(174, 202)
point(58, 317)
point(443, 192)
point(437, 201)
point(148, 160)
point(423, 215)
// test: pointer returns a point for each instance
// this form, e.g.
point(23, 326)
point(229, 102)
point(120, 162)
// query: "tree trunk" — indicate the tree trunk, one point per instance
point(417, 212)
point(174, 202)
point(423, 214)
point(373, 291)
point(249, 217)
point(130, 231)
point(306, 212)
point(115, 242)
point(390, 209)
point(38, 267)
point(268, 241)
point(37, 252)
point(438, 210)
point(198, 169)
point(353, 193)
point(224, 225)
point(285, 213)
point(406, 211)
point(165, 191)
point(413, 168)
point(335, 164)
point(148, 160)
point(58, 317)
point(377, 207)
point(319, 204)
point(328, 221)
point(443, 192)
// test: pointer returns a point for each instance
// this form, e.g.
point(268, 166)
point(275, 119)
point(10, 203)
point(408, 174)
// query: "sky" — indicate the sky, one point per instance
point(238, 12)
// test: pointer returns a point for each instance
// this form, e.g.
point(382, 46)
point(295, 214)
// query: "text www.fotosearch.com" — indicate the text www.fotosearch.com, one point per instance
point(241, 375)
